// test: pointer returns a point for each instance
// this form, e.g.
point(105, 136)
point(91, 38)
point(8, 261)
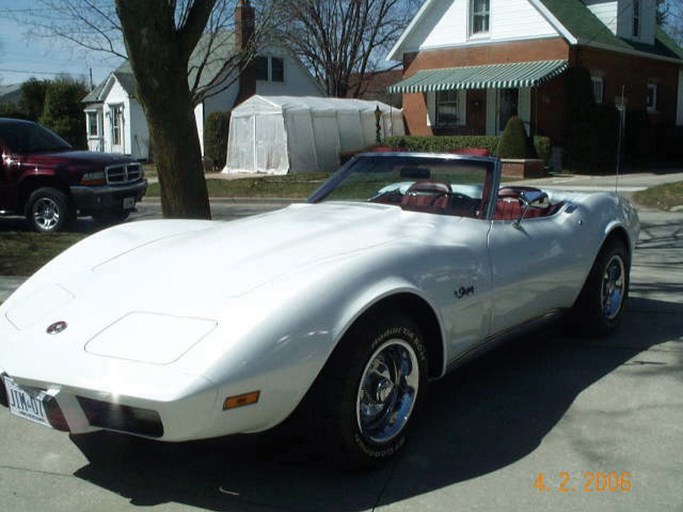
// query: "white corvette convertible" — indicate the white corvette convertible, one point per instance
point(397, 270)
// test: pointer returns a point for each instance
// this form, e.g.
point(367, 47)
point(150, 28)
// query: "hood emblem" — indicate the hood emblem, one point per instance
point(56, 327)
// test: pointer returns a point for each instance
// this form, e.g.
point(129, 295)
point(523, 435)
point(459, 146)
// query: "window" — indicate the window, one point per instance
point(261, 67)
point(480, 13)
point(93, 124)
point(116, 115)
point(447, 108)
point(651, 97)
point(277, 69)
point(269, 69)
point(636, 18)
point(598, 88)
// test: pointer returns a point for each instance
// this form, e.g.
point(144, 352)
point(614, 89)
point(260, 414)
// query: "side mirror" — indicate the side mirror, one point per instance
point(532, 199)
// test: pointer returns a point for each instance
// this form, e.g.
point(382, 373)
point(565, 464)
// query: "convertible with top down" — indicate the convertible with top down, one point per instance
point(397, 270)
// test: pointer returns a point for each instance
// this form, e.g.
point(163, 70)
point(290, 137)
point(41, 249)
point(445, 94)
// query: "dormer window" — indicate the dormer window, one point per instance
point(636, 18)
point(480, 16)
point(269, 69)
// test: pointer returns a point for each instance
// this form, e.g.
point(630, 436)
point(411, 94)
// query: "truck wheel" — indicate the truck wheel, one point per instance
point(370, 391)
point(48, 210)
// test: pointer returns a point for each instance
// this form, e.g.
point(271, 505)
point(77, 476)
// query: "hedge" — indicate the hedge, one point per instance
point(447, 143)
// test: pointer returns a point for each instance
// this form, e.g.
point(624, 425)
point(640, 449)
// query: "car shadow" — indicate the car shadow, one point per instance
point(479, 419)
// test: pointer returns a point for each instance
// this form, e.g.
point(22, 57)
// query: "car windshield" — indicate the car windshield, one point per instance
point(22, 137)
point(447, 185)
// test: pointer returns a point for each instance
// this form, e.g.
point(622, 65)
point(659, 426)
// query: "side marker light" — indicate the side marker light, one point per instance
point(233, 402)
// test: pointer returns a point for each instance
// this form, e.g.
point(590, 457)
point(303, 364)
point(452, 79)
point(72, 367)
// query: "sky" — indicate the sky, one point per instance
point(22, 58)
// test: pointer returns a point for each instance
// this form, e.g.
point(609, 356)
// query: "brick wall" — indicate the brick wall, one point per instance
point(634, 73)
point(415, 109)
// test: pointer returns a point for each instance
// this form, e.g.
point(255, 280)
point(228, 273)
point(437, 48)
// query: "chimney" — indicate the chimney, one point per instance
point(244, 35)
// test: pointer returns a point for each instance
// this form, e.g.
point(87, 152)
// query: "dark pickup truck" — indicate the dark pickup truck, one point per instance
point(44, 179)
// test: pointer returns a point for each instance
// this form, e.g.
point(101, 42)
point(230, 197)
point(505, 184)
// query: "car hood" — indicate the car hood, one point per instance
point(192, 267)
point(74, 158)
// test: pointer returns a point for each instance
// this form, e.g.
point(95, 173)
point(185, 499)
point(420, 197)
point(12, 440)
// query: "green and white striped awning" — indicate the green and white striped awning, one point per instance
point(491, 76)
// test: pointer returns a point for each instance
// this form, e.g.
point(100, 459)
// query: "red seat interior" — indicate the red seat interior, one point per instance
point(427, 196)
point(509, 207)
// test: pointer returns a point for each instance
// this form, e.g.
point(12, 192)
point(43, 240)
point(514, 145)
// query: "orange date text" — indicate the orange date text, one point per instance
point(598, 482)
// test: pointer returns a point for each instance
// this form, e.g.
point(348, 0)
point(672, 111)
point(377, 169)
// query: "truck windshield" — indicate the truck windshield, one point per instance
point(25, 137)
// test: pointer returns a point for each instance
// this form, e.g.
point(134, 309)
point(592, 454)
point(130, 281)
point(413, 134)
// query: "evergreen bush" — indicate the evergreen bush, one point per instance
point(216, 138)
point(513, 141)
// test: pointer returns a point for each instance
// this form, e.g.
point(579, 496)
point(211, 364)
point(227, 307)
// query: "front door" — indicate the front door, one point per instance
point(117, 131)
point(508, 106)
point(534, 267)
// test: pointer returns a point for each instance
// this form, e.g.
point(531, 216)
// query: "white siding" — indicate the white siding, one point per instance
point(117, 96)
point(298, 81)
point(446, 24)
point(199, 119)
point(138, 141)
point(647, 21)
point(606, 11)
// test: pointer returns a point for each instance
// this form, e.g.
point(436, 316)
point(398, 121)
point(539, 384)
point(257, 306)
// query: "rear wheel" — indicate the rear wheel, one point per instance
point(48, 210)
point(370, 391)
point(598, 309)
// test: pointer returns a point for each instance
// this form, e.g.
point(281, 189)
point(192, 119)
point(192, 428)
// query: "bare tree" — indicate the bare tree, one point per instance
point(337, 38)
point(181, 52)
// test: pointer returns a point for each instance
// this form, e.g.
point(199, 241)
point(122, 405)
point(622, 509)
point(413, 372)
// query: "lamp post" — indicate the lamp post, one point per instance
point(378, 116)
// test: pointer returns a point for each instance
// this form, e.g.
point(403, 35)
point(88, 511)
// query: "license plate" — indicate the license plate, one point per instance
point(128, 203)
point(26, 403)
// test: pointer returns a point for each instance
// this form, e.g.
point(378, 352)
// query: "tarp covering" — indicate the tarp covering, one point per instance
point(491, 76)
point(280, 134)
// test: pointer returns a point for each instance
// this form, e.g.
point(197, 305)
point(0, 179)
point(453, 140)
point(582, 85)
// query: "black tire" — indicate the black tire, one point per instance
point(109, 218)
point(48, 210)
point(358, 429)
point(599, 308)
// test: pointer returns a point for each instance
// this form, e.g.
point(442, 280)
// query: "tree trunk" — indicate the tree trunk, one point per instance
point(159, 56)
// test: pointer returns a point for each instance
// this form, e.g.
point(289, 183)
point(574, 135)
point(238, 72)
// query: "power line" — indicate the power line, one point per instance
point(32, 72)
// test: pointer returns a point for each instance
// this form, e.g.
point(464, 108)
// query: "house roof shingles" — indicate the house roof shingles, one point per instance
point(220, 47)
point(589, 30)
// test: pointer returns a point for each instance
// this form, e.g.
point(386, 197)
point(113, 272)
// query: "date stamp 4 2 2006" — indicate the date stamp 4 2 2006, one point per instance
point(589, 481)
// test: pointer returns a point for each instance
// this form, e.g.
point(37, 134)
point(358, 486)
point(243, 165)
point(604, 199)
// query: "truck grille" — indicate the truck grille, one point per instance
point(121, 174)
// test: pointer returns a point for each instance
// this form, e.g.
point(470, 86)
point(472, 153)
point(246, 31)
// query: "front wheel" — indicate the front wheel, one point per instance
point(48, 210)
point(371, 390)
point(599, 308)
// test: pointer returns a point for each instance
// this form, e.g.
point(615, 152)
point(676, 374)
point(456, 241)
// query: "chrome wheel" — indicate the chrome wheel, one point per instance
point(387, 391)
point(613, 287)
point(46, 213)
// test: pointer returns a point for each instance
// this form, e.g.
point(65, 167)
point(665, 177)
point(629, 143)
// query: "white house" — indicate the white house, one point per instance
point(115, 121)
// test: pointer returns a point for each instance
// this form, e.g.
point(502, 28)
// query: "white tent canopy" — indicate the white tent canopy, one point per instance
point(280, 134)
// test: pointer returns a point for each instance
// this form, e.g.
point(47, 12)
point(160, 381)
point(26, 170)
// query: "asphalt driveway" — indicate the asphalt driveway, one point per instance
point(601, 420)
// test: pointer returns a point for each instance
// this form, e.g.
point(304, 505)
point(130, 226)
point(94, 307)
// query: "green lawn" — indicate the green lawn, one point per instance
point(663, 197)
point(22, 253)
point(291, 186)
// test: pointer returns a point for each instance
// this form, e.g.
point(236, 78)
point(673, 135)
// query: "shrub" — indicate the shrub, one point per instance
point(63, 112)
point(445, 144)
point(513, 141)
point(442, 143)
point(216, 132)
point(543, 148)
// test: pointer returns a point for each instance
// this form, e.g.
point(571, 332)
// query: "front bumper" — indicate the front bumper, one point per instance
point(82, 411)
point(108, 198)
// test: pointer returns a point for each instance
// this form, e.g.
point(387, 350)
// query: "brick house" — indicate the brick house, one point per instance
point(470, 64)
